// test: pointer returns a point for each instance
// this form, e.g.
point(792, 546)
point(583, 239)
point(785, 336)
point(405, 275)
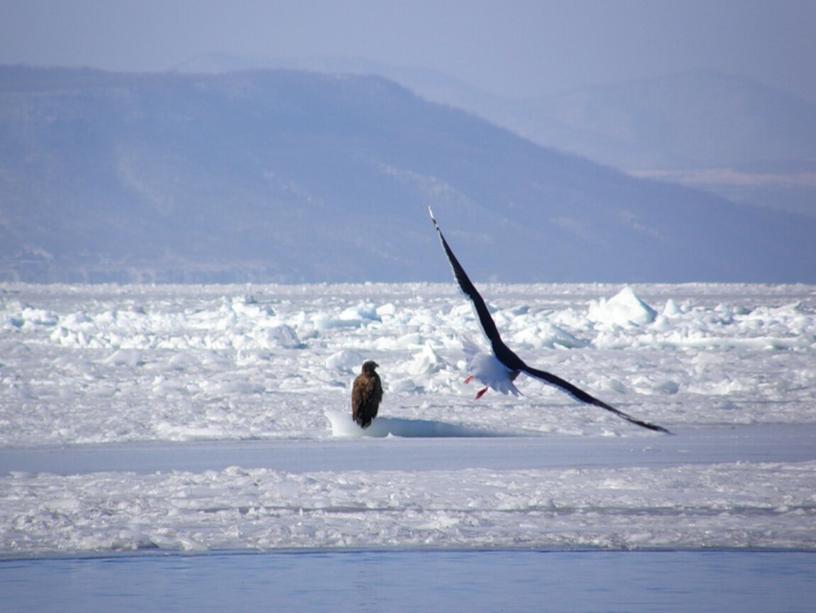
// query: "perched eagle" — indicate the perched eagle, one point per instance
point(366, 394)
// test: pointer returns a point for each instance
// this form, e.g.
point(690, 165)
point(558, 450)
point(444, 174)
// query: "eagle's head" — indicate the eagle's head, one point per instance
point(369, 366)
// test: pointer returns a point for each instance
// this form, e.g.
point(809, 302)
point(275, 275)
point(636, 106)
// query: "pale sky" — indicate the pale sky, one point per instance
point(515, 48)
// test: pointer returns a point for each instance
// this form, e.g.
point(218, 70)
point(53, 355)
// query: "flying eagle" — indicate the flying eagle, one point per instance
point(366, 394)
point(500, 368)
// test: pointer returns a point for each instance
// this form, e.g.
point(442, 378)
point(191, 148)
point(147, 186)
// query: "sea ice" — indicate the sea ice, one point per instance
point(90, 368)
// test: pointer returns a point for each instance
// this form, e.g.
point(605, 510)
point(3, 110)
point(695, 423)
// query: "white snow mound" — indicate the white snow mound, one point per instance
point(624, 309)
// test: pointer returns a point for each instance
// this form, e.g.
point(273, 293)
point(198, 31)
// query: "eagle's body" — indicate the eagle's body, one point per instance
point(366, 394)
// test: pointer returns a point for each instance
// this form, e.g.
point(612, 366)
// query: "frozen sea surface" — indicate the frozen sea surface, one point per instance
point(216, 417)
point(728, 487)
point(150, 422)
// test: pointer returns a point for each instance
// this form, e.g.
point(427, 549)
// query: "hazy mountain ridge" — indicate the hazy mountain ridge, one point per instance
point(295, 176)
point(728, 134)
point(702, 119)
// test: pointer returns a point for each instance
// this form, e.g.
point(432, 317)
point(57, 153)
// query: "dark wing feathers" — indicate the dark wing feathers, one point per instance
point(581, 395)
point(506, 356)
point(500, 350)
point(366, 394)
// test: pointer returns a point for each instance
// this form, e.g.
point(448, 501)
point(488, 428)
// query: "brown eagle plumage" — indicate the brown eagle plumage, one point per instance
point(366, 394)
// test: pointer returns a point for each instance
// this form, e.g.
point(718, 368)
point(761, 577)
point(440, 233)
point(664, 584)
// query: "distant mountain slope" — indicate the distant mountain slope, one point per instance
point(726, 134)
point(295, 176)
point(690, 120)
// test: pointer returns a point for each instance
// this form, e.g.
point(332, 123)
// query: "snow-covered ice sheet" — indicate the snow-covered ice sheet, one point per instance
point(84, 366)
point(745, 504)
